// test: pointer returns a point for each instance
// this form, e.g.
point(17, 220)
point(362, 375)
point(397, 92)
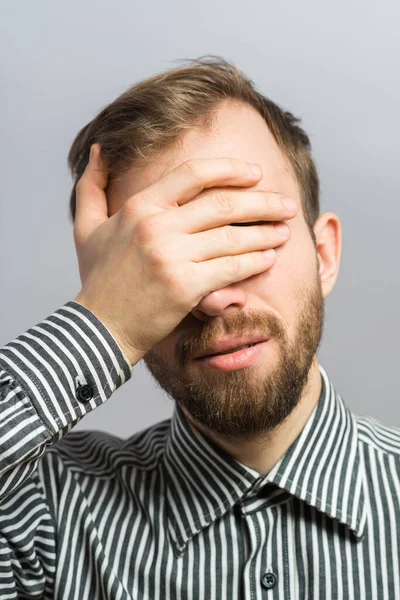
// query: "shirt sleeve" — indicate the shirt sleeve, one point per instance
point(50, 377)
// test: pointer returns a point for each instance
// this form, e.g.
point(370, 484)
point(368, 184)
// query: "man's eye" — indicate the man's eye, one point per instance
point(252, 223)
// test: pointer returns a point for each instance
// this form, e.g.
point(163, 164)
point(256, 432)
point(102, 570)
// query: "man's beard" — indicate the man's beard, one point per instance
point(245, 403)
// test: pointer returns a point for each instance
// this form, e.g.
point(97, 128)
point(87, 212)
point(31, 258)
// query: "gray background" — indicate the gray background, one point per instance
point(334, 65)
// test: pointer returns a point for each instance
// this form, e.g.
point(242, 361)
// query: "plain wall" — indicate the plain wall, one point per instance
point(335, 65)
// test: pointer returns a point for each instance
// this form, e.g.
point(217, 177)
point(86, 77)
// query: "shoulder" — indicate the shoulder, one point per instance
point(102, 453)
point(377, 435)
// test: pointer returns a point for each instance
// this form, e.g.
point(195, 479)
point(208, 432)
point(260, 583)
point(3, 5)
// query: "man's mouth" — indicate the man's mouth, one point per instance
point(231, 351)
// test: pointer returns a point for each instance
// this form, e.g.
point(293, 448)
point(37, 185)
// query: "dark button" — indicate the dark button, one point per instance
point(84, 393)
point(269, 580)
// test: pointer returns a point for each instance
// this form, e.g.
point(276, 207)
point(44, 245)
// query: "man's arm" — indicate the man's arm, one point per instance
point(50, 377)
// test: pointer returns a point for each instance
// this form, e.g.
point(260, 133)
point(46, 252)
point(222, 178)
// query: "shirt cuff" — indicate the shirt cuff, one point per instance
point(67, 364)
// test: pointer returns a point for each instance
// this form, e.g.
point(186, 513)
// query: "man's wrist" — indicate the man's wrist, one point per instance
point(131, 355)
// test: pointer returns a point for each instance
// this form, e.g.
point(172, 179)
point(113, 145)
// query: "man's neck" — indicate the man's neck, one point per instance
point(262, 456)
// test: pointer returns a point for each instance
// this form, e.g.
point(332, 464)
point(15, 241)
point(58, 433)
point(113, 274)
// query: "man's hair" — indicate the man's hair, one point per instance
point(153, 114)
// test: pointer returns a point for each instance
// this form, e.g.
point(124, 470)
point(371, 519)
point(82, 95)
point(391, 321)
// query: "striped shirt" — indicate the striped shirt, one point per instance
point(166, 515)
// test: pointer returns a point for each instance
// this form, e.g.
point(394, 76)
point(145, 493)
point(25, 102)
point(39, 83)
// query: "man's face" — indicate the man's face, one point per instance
point(285, 302)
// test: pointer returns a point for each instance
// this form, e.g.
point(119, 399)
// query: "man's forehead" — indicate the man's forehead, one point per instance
point(237, 131)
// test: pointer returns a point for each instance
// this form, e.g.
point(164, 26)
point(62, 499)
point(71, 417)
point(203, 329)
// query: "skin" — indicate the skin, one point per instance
point(255, 413)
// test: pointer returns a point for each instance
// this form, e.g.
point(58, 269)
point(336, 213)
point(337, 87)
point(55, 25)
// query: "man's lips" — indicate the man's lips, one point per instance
point(231, 344)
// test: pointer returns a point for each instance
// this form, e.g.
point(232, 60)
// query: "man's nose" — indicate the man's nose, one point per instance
point(216, 303)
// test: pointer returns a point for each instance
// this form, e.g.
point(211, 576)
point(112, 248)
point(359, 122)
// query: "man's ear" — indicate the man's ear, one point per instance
point(328, 233)
point(111, 195)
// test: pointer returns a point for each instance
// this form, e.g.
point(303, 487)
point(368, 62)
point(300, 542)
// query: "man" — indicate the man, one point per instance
point(263, 484)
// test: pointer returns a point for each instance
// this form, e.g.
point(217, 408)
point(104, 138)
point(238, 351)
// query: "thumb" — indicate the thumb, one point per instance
point(91, 202)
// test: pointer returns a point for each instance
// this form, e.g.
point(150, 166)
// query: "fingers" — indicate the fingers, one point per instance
point(230, 207)
point(229, 241)
point(192, 176)
point(91, 201)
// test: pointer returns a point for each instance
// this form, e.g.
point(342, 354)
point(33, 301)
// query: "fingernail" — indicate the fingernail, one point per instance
point(256, 170)
point(283, 229)
point(289, 203)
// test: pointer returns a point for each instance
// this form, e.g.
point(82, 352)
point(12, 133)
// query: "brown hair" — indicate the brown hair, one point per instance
point(151, 115)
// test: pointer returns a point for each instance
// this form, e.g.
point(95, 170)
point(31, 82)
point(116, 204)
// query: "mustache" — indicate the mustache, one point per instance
point(237, 325)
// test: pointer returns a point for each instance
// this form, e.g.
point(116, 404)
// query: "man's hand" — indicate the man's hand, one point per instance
point(145, 268)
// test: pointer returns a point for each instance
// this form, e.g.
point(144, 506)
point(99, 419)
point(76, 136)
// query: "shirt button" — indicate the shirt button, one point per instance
point(84, 393)
point(269, 580)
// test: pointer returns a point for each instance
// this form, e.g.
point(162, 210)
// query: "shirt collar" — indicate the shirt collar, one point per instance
point(323, 467)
